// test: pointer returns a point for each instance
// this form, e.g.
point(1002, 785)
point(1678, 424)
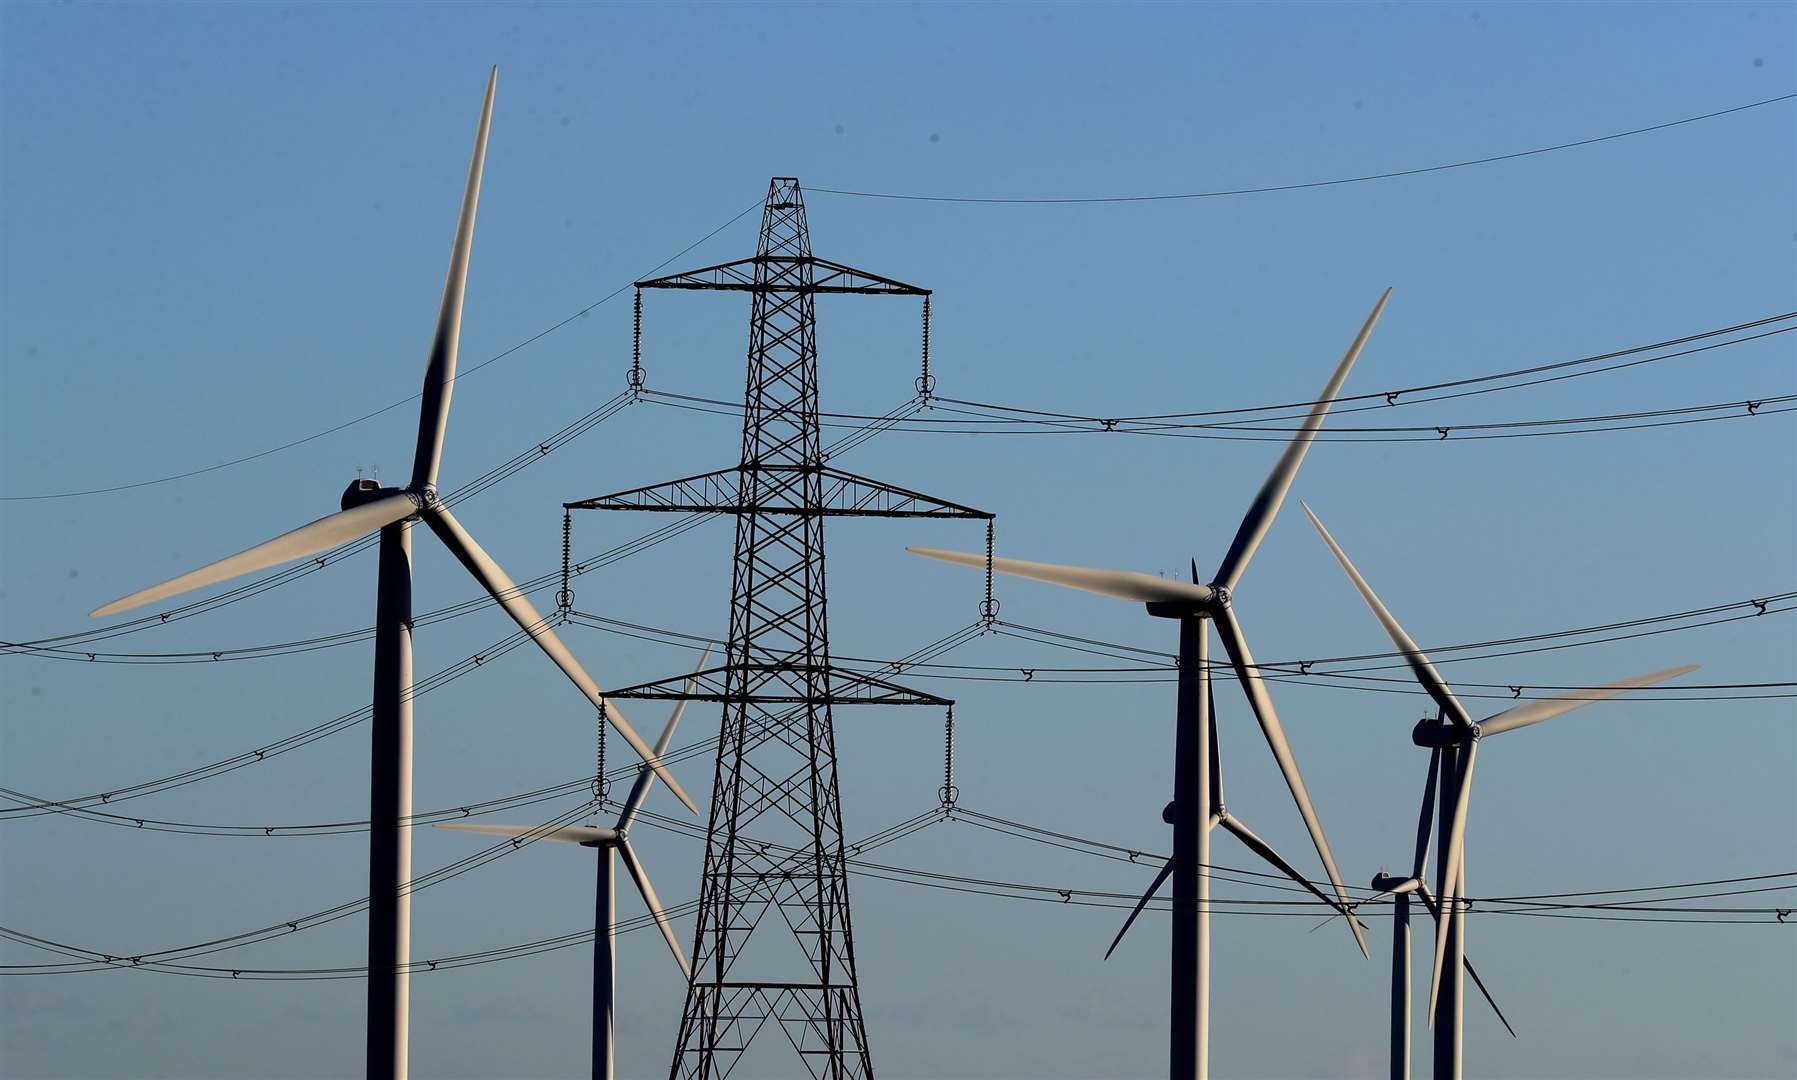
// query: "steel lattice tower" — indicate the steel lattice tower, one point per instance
point(774, 846)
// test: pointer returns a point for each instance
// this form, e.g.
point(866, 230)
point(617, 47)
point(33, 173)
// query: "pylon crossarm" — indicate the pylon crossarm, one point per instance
point(846, 687)
point(739, 275)
point(841, 495)
point(848, 279)
point(712, 491)
point(846, 494)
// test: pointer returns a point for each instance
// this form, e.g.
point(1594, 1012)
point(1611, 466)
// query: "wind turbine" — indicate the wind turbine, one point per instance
point(611, 843)
point(1399, 890)
point(367, 507)
point(1197, 789)
point(1455, 744)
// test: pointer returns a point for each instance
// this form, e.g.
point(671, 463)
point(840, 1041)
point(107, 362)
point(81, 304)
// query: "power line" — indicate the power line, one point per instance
point(1078, 897)
point(930, 651)
point(1287, 670)
point(537, 452)
point(860, 434)
point(339, 911)
point(1294, 669)
point(1304, 185)
point(1398, 397)
point(280, 746)
point(324, 828)
point(976, 417)
point(1648, 910)
point(1271, 424)
point(528, 587)
point(33, 808)
point(537, 584)
point(164, 961)
point(864, 427)
point(1102, 849)
point(1390, 398)
point(464, 373)
point(1299, 671)
point(1740, 409)
point(1019, 631)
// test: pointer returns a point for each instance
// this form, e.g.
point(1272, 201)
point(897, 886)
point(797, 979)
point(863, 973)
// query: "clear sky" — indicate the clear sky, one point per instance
point(225, 226)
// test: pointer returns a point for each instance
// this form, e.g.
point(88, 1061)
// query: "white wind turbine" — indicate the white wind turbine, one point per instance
point(610, 843)
point(1455, 743)
point(1197, 790)
point(366, 508)
point(1399, 890)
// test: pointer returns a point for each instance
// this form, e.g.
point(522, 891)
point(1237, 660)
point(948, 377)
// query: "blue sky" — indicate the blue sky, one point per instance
point(225, 229)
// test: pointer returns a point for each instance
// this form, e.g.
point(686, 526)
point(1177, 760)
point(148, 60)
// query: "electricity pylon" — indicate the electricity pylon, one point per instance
point(774, 846)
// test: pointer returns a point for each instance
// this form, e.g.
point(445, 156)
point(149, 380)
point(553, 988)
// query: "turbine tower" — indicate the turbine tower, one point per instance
point(1197, 805)
point(776, 777)
point(611, 844)
point(366, 508)
point(1454, 744)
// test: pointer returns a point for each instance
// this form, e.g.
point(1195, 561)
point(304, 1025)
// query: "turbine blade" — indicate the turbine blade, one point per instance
point(1265, 506)
point(1425, 672)
point(1534, 712)
point(645, 777)
point(1159, 880)
point(326, 532)
point(641, 878)
point(1121, 584)
point(1425, 822)
point(573, 834)
point(439, 376)
point(1453, 847)
point(1265, 850)
point(1429, 902)
point(1262, 703)
point(1216, 759)
point(1489, 1000)
point(524, 613)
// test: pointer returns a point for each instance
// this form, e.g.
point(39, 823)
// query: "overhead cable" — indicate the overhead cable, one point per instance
point(1308, 184)
point(465, 372)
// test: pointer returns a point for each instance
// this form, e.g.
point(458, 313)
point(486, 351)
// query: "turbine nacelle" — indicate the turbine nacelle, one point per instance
point(1431, 734)
point(362, 491)
point(1387, 885)
point(1195, 608)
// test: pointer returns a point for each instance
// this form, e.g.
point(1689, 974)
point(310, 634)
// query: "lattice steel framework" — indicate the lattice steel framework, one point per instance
point(776, 777)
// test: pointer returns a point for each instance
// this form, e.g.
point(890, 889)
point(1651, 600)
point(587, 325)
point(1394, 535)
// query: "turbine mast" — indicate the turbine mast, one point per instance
point(1193, 800)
